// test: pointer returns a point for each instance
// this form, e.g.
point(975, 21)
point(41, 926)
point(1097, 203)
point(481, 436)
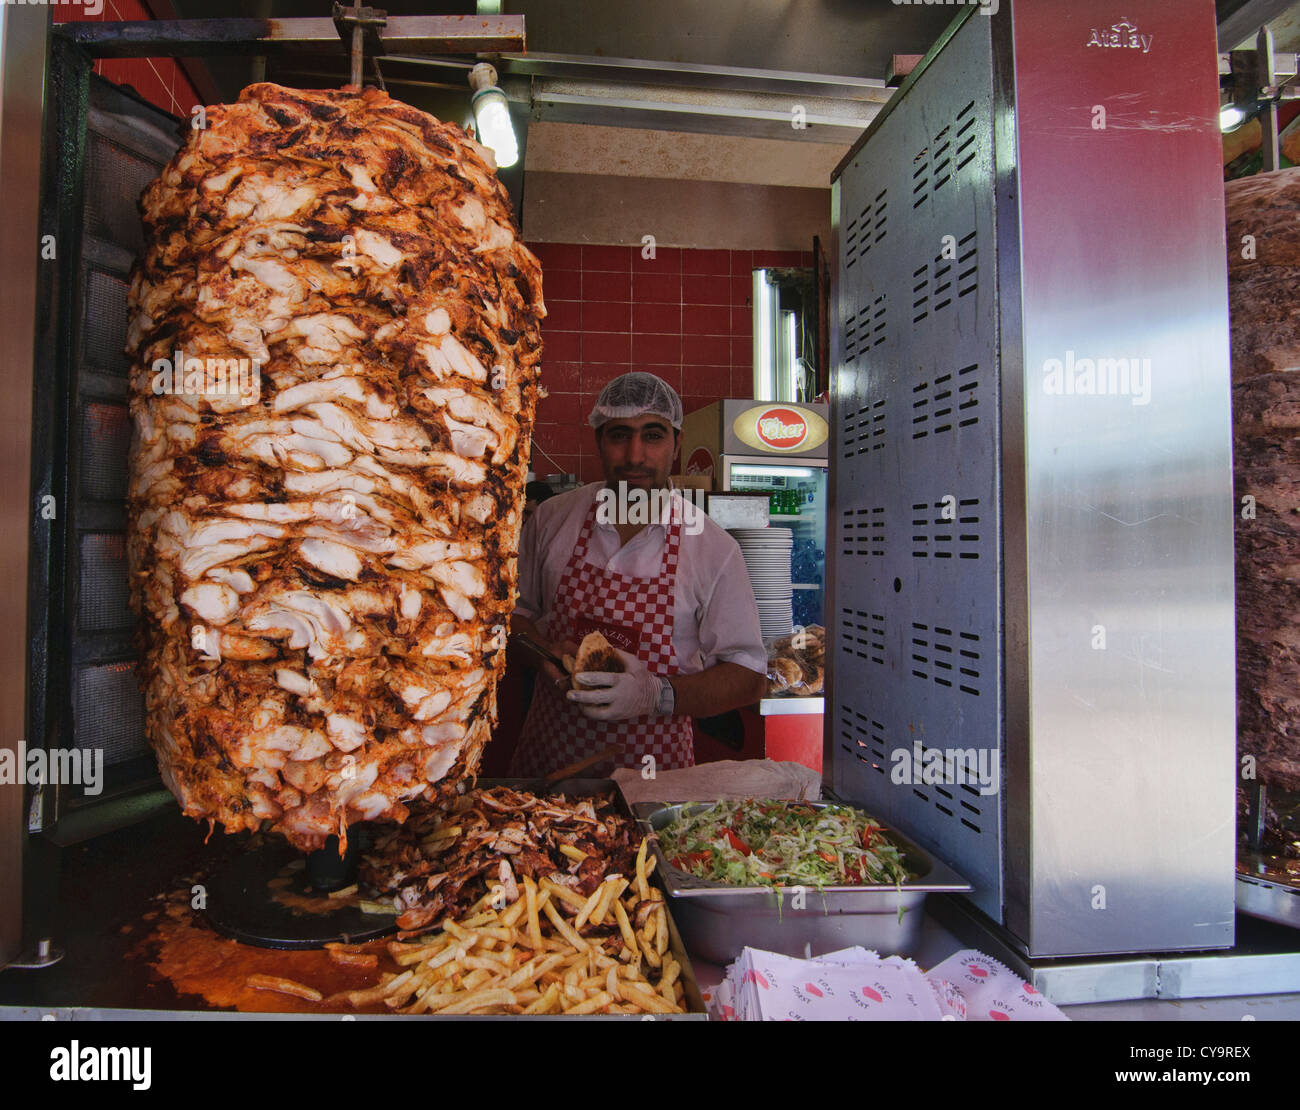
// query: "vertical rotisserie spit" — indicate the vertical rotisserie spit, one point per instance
point(335, 345)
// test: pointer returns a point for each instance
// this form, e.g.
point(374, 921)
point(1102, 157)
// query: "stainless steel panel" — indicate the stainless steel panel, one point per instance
point(22, 88)
point(1128, 537)
point(916, 615)
point(1083, 592)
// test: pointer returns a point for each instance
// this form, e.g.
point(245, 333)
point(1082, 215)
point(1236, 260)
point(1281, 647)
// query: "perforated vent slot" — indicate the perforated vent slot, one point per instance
point(946, 529)
point(950, 151)
point(865, 329)
point(967, 265)
point(851, 337)
point(864, 738)
point(941, 159)
point(864, 532)
point(952, 660)
point(863, 635)
point(966, 136)
point(942, 293)
point(865, 230)
point(864, 430)
point(952, 274)
point(938, 406)
point(957, 796)
point(920, 293)
point(920, 177)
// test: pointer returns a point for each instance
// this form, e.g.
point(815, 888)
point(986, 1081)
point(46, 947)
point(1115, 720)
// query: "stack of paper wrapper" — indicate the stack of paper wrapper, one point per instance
point(855, 984)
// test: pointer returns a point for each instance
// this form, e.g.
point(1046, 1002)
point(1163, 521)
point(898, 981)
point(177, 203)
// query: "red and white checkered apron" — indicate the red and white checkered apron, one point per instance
point(634, 614)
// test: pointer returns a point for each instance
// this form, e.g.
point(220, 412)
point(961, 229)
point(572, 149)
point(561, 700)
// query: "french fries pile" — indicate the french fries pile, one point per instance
point(532, 957)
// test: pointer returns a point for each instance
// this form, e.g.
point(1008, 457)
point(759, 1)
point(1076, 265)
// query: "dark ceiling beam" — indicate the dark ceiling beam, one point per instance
point(1246, 20)
point(421, 34)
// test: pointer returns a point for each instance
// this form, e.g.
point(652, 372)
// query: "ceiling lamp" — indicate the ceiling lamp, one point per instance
point(1231, 117)
point(492, 115)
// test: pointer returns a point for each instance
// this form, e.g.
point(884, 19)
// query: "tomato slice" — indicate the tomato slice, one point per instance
point(737, 843)
point(827, 856)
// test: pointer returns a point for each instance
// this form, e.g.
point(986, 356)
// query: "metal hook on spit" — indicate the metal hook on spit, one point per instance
point(359, 28)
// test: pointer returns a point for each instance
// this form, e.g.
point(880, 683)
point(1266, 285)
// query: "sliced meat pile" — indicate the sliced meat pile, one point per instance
point(444, 859)
point(335, 344)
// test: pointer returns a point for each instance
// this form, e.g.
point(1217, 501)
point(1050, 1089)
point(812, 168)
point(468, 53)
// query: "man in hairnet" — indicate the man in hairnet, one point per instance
point(632, 558)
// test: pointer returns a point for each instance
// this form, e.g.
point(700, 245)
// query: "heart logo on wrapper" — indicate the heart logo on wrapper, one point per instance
point(998, 1015)
point(812, 990)
point(977, 971)
point(874, 995)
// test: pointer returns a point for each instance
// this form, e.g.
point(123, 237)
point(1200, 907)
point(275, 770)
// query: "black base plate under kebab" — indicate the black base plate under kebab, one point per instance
point(242, 902)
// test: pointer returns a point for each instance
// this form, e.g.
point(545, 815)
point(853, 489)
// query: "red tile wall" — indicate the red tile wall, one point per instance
point(161, 81)
point(684, 315)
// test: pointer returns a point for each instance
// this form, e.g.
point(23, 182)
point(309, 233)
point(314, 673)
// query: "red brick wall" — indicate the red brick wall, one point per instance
point(684, 315)
point(159, 80)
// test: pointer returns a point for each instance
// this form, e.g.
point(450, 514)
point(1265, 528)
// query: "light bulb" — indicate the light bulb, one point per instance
point(492, 116)
point(1230, 117)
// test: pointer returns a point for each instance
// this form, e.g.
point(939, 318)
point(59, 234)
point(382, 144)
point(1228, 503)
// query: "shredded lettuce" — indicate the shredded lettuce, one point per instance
point(764, 842)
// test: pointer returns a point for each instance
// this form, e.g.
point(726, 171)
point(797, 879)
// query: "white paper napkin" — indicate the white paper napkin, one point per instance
point(851, 985)
point(855, 984)
point(992, 991)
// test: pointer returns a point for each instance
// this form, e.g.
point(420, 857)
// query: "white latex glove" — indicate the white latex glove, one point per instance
point(617, 697)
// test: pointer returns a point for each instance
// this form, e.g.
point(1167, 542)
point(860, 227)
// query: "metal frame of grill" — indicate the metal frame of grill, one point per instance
point(101, 145)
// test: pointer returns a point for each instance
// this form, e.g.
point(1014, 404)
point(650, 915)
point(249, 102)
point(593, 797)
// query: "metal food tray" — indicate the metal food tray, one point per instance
point(1266, 895)
point(587, 788)
point(717, 921)
point(1273, 901)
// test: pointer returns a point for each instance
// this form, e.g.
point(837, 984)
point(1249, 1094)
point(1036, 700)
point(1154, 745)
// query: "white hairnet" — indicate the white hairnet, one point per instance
point(637, 394)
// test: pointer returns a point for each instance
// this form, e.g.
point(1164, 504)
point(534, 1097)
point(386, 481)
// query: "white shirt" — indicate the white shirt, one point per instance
point(715, 617)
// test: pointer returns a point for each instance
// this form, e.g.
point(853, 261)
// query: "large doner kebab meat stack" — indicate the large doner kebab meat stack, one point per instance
point(324, 569)
point(1264, 300)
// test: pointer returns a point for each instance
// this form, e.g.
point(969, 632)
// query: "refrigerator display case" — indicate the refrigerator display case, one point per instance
point(778, 449)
